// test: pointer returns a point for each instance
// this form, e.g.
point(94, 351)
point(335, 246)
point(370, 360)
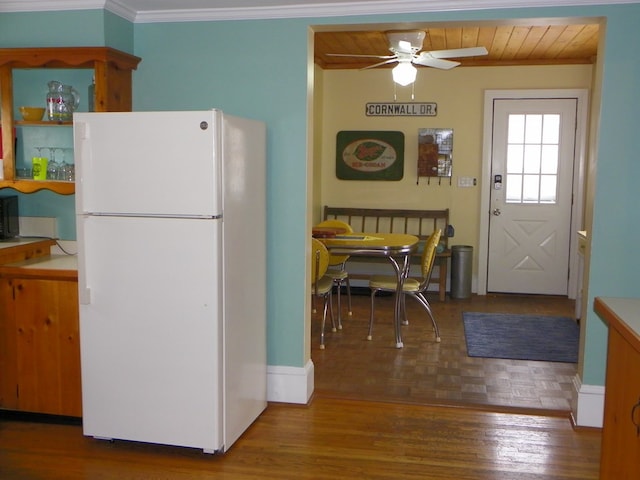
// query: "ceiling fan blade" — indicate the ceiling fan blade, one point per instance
point(427, 60)
point(391, 60)
point(458, 52)
point(385, 57)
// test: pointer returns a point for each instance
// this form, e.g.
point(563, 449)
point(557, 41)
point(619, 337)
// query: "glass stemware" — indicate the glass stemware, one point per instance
point(53, 167)
point(67, 170)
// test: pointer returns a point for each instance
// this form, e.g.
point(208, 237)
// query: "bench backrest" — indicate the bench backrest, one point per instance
point(420, 223)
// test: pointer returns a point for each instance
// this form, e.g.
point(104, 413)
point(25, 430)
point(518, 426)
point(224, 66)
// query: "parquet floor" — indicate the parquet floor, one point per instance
point(429, 373)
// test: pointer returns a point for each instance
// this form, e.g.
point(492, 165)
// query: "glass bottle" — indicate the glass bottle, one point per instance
point(91, 96)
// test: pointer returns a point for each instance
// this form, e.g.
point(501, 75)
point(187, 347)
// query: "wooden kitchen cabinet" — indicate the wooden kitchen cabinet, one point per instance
point(620, 457)
point(113, 93)
point(39, 340)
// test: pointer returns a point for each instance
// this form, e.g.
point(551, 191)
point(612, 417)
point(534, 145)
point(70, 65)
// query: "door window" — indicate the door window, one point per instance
point(532, 158)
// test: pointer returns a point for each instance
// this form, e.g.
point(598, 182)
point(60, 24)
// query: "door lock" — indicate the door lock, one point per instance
point(496, 212)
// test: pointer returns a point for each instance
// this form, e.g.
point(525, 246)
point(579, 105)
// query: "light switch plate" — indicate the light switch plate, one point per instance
point(466, 182)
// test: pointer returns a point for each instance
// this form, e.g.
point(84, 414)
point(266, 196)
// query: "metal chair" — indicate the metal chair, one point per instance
point(321, 284)
point(414, 287)
point(337, 269)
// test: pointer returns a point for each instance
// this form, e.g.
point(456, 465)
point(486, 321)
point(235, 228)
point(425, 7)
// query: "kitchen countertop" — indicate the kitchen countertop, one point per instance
point(623, 314)
point(17, 242)
point(17, 249)
point(50, 266)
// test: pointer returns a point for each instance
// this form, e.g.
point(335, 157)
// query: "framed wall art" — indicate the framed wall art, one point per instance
point(435, 152)
point(369, 155)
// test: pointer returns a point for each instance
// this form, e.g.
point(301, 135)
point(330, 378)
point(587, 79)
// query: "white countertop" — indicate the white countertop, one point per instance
point(51, 262)
point(15, 242)
point(627, 309)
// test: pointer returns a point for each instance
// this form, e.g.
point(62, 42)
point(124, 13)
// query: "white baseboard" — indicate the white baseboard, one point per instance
point(587, 407)
point(290, 384)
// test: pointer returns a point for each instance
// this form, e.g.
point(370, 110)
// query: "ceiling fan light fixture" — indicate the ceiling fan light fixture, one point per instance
point(409, 41)
point(404, 73)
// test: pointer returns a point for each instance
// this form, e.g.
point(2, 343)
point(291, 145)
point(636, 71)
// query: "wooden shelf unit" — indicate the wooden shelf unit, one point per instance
point(113, 93)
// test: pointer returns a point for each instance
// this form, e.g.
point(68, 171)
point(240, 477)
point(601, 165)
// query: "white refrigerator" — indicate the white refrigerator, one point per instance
point(171, 270)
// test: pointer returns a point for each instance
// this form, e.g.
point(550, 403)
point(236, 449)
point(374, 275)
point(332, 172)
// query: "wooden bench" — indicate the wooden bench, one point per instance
point(420, 223)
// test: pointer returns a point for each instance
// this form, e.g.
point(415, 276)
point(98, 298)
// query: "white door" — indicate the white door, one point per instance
point(532, 163)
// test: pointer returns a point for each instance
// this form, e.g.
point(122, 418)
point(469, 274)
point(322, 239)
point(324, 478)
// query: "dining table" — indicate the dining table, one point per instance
point(396, 247)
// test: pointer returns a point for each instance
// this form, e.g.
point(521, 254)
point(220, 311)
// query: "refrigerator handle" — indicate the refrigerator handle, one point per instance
point(84, 292)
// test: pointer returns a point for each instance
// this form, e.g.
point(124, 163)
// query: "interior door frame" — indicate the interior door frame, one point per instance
point(579, 161)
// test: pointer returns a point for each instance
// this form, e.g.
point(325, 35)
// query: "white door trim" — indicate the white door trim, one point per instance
point(582, 96)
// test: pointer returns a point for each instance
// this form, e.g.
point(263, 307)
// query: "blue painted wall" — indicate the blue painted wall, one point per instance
point(259, 69)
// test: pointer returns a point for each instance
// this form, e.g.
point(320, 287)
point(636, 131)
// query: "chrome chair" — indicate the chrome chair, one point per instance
point(337, 269)
point(414, 287)
point(321, 284)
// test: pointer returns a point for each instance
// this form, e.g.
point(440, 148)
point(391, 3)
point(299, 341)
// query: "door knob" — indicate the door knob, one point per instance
point(496, 212)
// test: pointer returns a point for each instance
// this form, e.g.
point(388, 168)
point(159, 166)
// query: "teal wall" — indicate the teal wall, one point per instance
point(52, 29)
point(227, 65)
point(258, 69)
point(118, 32)
point(616, 229)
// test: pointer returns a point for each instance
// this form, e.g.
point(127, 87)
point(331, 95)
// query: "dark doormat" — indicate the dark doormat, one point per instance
point(521, 337)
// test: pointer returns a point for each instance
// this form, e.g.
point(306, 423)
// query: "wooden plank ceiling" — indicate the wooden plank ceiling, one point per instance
point(507, 45)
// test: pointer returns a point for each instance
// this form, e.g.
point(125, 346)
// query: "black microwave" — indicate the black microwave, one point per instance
point(9, 225)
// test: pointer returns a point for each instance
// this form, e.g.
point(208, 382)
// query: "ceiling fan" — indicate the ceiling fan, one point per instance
point(405, 46)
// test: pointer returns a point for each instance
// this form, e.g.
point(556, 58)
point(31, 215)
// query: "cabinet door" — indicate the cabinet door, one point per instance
point(620, 436)
point(8, 343)
point(48, 351)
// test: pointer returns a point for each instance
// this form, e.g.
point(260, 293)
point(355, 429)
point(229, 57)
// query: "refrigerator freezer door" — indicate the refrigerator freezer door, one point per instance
point(130, 163)
point(151, 330)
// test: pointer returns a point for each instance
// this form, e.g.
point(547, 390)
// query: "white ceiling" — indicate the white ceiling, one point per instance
point(147, 11)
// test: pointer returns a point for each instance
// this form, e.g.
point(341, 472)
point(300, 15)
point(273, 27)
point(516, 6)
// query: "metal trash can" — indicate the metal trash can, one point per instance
point(461, 269)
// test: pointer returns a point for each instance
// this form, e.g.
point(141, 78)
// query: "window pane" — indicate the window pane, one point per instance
point(516, 129)
point(532, 159)
point(551, 129)
point(514, 158)
point(514, 189)
point(530, 188)
point(549, 159)
point(548, 188)
point(533, 131)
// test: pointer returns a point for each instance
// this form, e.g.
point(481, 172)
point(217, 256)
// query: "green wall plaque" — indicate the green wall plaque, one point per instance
point(369, 155)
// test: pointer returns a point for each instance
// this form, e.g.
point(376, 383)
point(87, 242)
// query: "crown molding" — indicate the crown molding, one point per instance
point(49, 5)
point(134, 10)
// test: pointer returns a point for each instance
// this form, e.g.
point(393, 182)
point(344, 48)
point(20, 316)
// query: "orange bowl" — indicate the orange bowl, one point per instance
point(32, 114)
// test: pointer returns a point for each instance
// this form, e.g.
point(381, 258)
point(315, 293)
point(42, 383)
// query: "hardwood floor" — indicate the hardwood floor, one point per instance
point(430, 373)
point(329, 439)
point(340, 435)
